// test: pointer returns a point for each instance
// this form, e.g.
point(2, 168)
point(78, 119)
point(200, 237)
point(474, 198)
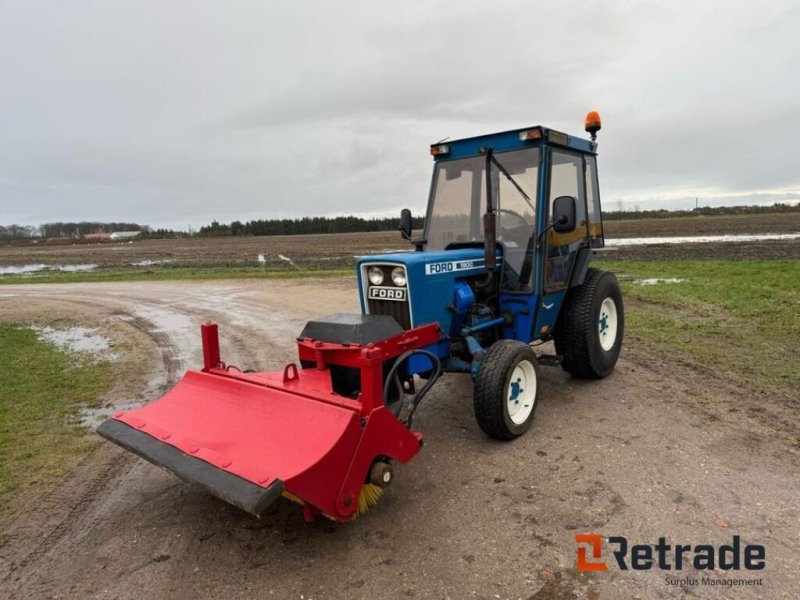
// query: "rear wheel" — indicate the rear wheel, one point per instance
point(505, 390)
point(590, 327)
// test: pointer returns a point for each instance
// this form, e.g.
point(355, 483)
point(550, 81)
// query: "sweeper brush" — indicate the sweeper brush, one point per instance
point(320, 434)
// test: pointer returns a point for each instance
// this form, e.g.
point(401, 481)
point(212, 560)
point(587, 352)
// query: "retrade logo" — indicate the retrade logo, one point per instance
point(595, 541)
point(667, 557)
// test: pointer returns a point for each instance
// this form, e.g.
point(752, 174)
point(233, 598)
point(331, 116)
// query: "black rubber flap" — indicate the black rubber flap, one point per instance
point(226, 486)
point(345, 328)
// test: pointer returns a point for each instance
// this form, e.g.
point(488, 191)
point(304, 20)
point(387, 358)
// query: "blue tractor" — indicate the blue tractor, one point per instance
point(513, 221)
point(503, 264)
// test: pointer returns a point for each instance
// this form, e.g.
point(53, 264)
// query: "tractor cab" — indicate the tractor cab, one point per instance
point(517, 186)
point(512, 221)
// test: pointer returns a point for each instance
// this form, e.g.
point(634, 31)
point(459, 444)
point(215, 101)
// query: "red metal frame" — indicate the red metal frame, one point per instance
point(289, 425)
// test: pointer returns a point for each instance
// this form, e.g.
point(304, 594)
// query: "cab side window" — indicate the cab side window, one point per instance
point(593, 203)
point(566, 179)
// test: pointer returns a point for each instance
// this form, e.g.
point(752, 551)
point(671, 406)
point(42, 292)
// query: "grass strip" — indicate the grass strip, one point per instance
point(42, 389)
point(175, 273)
point(739, 320)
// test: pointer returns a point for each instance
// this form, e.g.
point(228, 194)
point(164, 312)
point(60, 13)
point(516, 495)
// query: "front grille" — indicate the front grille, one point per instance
point(399, 309)
point(393, 308)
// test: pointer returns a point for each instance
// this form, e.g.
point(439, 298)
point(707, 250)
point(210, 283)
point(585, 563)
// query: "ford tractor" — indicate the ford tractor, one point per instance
point(502, 266)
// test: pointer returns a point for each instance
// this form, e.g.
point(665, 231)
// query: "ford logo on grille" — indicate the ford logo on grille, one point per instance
point(377, 292)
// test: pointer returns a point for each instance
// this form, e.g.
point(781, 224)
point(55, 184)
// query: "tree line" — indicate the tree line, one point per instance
point(756, 209)
point(312, 225)
point(352, 224)
point(65, 230)
point(306, 225)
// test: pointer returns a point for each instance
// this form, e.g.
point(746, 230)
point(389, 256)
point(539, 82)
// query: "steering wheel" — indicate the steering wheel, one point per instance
point(527, 244)
point(522, 220)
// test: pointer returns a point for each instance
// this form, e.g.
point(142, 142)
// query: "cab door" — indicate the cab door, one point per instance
point(566, 179)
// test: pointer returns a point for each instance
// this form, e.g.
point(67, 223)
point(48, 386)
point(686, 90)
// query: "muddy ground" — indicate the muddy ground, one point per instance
point(340, 250)
point(657, 449)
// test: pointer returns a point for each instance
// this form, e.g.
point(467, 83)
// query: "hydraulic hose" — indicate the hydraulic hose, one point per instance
point(392, 378)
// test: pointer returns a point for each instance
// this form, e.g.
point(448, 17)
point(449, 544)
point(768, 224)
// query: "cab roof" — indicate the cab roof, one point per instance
point(515, 139)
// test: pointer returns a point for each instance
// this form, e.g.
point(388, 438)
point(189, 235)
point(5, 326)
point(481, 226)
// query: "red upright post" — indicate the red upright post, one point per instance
point(210, 337)
point(371, 365)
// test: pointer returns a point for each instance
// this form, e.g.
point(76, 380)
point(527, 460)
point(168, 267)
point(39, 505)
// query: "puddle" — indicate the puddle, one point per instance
point(29, 269)
point(649, 241)
point(182, 331)
point(84, 340)
point(383, 251)
point(701, 239)
point(148, 263)
point(656, 280)
point(75, 268)
point(21, 270)
point(289, 260)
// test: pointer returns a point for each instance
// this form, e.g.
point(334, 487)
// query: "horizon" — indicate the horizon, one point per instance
point(192, 230)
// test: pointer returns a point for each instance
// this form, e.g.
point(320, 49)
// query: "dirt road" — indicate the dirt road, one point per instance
point(656, 450)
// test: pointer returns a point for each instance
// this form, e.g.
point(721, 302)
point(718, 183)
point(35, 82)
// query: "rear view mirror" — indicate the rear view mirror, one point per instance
point(564, 214)
point(405, 223)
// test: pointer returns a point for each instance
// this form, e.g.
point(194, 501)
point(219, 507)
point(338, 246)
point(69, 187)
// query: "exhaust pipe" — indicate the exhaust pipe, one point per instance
point(489, 219)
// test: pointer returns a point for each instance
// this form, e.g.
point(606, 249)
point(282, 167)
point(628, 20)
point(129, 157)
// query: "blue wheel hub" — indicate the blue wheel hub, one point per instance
point(516, 390)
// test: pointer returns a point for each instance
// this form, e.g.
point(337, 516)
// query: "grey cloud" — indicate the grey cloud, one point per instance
point(177, 113)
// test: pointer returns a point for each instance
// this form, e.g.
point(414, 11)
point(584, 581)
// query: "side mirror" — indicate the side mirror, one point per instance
point(405, 223)
point(564, 214)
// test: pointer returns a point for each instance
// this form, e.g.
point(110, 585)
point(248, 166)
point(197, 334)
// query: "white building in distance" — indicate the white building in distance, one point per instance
point(124, 235)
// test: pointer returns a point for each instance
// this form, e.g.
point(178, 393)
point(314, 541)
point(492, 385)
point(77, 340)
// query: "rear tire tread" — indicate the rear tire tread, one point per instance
point(576, 329)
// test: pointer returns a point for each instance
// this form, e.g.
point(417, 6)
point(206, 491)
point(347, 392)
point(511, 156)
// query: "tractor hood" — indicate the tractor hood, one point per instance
point(429, 284)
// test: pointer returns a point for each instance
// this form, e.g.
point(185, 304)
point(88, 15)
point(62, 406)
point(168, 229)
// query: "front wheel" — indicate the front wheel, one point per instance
point(590, 326)
point(505, 390)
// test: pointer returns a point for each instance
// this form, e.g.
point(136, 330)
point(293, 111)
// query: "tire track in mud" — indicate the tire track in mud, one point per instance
point(251, 335)
point(169, 351)
point(68, 506)
point(744, 408)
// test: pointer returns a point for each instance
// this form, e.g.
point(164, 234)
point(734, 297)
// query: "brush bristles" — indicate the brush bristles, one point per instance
point(369, 497)
point(292, 497)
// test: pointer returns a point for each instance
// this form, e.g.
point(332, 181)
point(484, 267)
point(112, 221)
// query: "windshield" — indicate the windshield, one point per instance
point(459, 201)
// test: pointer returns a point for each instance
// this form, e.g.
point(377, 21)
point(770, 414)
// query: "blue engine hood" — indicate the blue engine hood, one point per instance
point(430, 279)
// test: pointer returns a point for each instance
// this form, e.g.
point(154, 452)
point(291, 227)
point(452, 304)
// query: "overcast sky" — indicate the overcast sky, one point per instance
point(174, 113)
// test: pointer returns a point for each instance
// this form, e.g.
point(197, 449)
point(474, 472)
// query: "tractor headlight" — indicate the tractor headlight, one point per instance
point(375, 275)
point(399, 276)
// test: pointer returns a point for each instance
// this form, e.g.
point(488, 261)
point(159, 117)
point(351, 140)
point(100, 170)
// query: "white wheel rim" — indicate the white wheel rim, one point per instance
point(521, 392)
point(607, 324)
